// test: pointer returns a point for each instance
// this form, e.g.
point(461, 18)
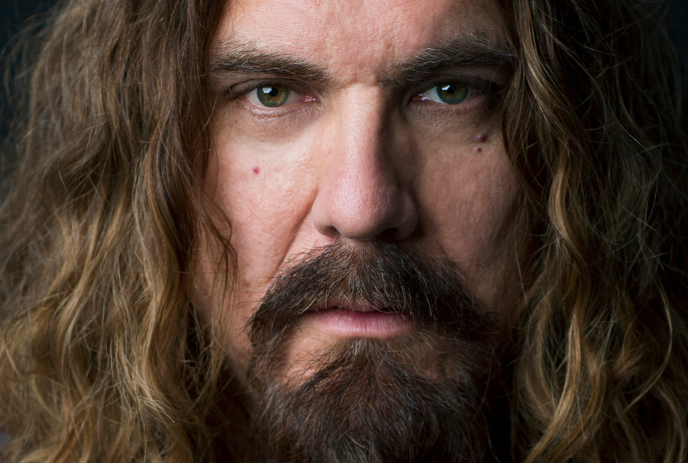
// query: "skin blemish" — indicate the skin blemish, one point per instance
point(256, 170)
point(478, 149)
point(481, 138)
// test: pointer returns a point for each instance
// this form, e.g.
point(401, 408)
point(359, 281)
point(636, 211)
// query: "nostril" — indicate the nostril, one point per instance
point(329, 232)
point(391, 234)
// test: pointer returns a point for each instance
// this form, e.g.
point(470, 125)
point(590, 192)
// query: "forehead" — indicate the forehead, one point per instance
point(356, 39)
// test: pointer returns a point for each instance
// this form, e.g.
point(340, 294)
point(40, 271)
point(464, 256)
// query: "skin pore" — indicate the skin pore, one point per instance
point(354, 122)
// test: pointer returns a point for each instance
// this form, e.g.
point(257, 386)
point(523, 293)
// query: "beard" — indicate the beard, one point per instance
point(422, 397)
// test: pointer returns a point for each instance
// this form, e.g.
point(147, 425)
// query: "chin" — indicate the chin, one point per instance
point(415, 398)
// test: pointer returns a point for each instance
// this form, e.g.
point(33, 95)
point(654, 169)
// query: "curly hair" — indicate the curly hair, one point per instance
point(596, 125)
point(102, 356)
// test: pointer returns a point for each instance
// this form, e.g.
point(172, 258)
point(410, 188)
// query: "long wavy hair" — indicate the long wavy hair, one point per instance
point(102, 357)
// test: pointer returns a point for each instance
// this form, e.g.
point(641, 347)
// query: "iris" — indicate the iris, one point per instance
point(452, 93)
point(272, 96)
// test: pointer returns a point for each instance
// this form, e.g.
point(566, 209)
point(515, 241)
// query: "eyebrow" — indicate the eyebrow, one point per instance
point(466, 52)
point(246, 59)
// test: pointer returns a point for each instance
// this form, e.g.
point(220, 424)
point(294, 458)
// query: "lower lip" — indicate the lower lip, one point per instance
point(373, 324)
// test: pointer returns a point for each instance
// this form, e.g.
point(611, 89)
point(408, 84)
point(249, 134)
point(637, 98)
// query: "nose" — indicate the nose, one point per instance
point(364, 186)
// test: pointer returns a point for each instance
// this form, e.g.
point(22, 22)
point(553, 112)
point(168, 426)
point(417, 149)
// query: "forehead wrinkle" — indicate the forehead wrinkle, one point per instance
point(339, 38)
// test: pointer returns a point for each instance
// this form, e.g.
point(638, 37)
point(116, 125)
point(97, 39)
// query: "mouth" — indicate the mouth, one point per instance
point(359, 320)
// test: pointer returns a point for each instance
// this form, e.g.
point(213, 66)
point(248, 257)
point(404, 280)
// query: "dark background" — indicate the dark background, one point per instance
point(14, 12)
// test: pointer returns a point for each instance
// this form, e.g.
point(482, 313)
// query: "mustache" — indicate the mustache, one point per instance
point(385, 275)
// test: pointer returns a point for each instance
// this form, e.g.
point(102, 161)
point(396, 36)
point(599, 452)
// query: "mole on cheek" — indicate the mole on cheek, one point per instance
point(480, 139)
point(256, 170)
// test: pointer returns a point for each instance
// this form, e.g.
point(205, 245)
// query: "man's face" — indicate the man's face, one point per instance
point(367, 128)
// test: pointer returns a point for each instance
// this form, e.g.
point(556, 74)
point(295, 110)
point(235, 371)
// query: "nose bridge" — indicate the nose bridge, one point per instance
point(360, 195)
point(361, 177)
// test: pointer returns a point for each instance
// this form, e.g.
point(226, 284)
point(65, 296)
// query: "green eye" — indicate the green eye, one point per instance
point(272, 96)
point(448, 93)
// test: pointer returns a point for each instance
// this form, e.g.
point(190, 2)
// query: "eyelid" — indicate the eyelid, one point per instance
point(488, 88)
point(243, 88)
point(479, 84)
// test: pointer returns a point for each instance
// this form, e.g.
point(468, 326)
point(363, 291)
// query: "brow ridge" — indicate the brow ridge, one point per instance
point(466, 52)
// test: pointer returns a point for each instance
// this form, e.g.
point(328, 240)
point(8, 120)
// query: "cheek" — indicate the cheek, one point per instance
point(479, 209)
point(262, 191)
point(470, 205)
point(262, 188)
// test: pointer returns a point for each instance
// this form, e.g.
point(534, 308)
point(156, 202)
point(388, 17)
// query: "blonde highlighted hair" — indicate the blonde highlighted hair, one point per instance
point(102, 357)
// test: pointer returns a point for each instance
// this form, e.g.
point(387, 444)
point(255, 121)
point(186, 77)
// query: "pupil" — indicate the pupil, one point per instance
point(272, 91)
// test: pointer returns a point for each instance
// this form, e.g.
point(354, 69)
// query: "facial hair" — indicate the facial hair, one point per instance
point(417, 398)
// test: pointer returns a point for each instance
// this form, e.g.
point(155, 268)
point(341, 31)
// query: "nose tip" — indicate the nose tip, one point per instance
point(362, 207)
